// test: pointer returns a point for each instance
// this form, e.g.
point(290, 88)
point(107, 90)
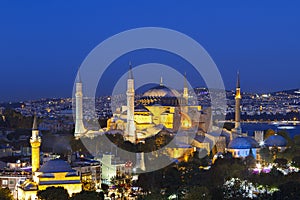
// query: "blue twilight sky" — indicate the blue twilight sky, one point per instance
point(43, 43)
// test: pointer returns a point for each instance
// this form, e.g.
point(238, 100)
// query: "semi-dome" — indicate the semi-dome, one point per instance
point(56, 165)
point(161, 91)
point(276, 140)
point(140, 108)
point(243, 143)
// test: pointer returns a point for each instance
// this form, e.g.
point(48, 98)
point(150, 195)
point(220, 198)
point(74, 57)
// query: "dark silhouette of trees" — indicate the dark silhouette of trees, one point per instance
point(281, 162)
point(90, 195)
point(5, 194)
point(199, 193)
point(289, 190)
point(53, 193)
point(296, 161)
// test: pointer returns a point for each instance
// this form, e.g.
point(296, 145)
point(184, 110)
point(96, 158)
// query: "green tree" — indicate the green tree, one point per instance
point(199, 193)
point(5, 194)
point(90, 195)
point(286, 136)
point(228, 125)
point(296, 161)
point(266, 155)
point(151, 181)
point(153, 196)
point(171, 180)
point(53, 193)
point(217, 193)
point(281, 162)
point(297, 140)
point(104, 187)
point(289, 190)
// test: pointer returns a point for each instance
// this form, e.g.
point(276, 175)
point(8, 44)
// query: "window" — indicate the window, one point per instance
point(4, 182)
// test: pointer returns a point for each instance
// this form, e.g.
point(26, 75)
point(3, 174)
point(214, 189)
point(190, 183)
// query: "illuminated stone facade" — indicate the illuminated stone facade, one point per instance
point(57, 173)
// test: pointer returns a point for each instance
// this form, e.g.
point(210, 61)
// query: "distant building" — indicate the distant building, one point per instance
point(11, 181)
point(53, 173)
point(111, 167)
point(89, 171)
point(5, 150)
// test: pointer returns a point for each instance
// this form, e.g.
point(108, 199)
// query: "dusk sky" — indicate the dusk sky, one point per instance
point(43, 43)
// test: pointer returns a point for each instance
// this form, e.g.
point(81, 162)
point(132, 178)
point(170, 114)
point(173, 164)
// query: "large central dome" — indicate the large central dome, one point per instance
point(161, 91)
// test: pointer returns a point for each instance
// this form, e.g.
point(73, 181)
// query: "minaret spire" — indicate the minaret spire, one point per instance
point(185, 91)
point(35, 142)
point(79, 126)
point(185, 81)
point(130, 126)
point(238, 98)
point(34, 126)
point(161, 81)
point(130, 74)
point(238, 82)
point(78, 78)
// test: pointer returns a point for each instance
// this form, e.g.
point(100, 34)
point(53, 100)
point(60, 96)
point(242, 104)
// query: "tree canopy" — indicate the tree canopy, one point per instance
point(5, 194)
point(53, 193)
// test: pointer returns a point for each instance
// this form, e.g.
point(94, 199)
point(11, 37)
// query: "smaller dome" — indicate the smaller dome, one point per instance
point(275, 141)
point(56, 165)
point(242, 142)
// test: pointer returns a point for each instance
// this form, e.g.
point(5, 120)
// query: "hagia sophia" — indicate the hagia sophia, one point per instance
point(159, 108)
point(162, 107)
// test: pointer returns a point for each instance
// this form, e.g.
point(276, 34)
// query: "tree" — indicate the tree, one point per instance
point(151, 181)
point(250, 161)
point(228, 125)
point(269, 133)
point(90, 195)
point(153, 196)
point(171, 180)
point(289, 190)
point(281, 162)
point(217, 193)
point(297, 140)
point(296, 161)
point(286, 136)
point(5, 194)
point(53, 193)
point(266, 155)
point(104, 187)
point(199, 193)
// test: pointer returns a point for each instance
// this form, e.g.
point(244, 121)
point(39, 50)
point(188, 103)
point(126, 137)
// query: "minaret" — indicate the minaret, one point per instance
point(161, 81)
point(185, 91)
point(130, 127)
point(238, 97)
point(35, 142)
point(140, 161)
point(79, 127)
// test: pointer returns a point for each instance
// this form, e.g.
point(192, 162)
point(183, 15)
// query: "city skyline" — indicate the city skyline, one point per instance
point(44, 44)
